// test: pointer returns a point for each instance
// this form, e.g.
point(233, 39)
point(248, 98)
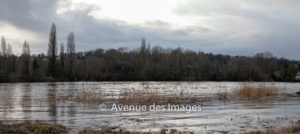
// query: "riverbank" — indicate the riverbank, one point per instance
point(46, 128)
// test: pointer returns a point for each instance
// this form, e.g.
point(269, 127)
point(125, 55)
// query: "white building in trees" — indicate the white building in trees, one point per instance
point(297, 76)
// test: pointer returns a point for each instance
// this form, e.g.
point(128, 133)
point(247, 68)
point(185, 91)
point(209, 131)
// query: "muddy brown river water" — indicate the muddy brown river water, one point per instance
point(45, 101)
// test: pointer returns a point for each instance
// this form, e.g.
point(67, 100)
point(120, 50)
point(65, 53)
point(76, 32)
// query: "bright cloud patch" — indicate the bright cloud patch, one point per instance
point(136, 12)
point(16, 37)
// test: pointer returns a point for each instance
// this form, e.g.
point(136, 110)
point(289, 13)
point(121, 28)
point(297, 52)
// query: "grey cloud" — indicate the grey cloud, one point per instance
point(252, 25)
point(238, 27)
point(29, 14)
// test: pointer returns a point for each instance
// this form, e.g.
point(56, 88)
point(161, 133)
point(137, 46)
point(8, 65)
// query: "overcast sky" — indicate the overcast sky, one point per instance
point(235, 27)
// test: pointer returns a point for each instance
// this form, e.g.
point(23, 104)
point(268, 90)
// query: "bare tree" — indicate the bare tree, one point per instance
point(52, 51)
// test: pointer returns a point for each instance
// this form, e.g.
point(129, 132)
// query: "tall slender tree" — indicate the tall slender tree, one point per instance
point(3, 54)
point(3, 47)
point(10, 59)
point(7, 64)
point(62, 56)
point(52, 51)
point(9, 50)
point(142, 60)
point(71, 53)
point(25, 68)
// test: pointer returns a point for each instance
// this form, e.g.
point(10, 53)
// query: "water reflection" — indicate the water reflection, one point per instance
point(6, 102)
point(51, 94)
point(27, 101)
point(71, 111)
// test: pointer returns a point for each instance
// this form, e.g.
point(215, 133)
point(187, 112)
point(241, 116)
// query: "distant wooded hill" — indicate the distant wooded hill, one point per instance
point(143, 64)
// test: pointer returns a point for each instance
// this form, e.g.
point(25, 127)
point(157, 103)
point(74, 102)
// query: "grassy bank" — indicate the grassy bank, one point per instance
point(45, 128)
point(295, 129)
point(32, 128)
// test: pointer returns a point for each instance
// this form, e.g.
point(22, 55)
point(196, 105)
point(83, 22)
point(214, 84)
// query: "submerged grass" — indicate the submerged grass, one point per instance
point(251, 92)
point(224, 96)
point(134, 96)
point(83, 95)
point(256, 91)
point(88, 96)
point(148, 96)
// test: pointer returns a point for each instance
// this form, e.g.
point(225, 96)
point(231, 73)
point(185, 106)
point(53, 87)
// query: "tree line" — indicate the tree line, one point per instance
point(143, 64)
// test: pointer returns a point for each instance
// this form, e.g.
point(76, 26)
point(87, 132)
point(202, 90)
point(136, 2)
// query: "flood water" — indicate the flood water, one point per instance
point(38, 101)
